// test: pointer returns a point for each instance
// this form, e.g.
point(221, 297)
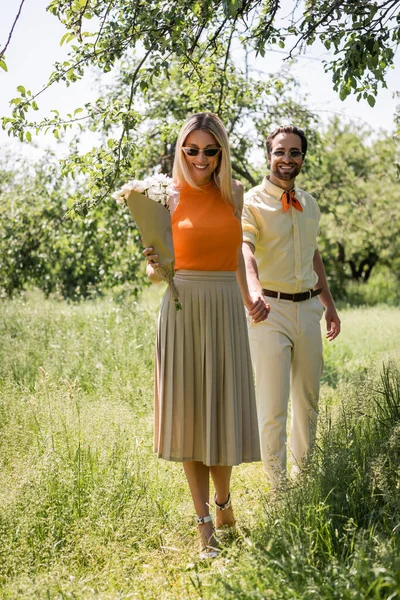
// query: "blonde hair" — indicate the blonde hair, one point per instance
point(222, 176)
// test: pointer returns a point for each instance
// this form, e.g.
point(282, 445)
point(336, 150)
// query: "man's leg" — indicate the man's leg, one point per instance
point(271, 350)
point(307, 364)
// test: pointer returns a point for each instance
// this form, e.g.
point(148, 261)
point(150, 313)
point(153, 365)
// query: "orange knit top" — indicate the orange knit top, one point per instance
point(205, 231)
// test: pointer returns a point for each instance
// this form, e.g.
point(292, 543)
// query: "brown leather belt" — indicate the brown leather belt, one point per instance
point(300, 297)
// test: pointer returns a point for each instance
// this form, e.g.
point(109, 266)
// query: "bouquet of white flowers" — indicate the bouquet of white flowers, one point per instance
point(158, 188)
point(147, 200)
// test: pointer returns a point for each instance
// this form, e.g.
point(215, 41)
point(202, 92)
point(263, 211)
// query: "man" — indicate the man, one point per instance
point(280, 227)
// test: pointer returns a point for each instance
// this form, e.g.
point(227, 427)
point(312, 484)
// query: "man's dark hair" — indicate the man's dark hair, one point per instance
point(288, 129)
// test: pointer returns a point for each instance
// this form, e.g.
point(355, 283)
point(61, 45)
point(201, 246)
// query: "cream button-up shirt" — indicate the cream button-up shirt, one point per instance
point(284, 242)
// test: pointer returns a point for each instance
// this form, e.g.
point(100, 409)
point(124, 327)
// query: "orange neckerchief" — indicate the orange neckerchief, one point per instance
point(288, 198)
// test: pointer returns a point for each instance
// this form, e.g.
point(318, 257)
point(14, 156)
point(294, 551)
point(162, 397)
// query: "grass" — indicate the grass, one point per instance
point(87, 511)
point(369, 338)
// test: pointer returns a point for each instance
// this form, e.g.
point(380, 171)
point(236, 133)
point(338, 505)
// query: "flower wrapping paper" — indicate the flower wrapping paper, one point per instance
point(153, 219)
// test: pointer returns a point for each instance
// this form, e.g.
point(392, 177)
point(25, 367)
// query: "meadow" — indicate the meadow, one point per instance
point(87, 511)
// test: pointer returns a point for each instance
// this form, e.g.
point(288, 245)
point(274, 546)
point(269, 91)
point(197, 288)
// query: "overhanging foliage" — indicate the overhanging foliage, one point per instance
point(194, 35)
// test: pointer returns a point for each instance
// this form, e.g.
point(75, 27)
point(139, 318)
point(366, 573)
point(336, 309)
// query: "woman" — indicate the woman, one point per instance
point(205, 414)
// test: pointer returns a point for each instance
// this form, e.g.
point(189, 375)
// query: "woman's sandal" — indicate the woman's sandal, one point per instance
point(207, 551)
point(226, 527)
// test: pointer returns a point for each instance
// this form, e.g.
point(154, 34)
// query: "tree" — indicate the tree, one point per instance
point(39, 247)
point(249, 109)
point(354, 179)
point(363, 34)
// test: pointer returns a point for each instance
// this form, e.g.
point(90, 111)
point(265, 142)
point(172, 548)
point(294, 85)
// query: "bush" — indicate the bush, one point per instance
point(382, 288)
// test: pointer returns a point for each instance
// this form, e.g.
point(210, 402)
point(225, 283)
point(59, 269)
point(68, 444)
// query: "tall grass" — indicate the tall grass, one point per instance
point(87, 511)
point(335, 532)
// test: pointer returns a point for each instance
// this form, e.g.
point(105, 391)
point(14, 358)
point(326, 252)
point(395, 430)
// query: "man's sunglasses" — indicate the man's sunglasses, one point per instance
point(206, 151)
point(291, 153)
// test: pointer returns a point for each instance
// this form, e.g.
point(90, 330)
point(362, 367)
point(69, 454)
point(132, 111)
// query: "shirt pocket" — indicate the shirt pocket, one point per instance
point(312, 228)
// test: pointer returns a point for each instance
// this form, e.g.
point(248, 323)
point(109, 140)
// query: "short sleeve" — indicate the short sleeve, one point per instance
point(237, 193)
point(249, 223)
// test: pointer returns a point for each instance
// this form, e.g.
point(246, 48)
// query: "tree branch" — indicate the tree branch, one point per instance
point(103, 23)
point(243, 172)
point(2, 52)
point(314, 27)
point(223, 78)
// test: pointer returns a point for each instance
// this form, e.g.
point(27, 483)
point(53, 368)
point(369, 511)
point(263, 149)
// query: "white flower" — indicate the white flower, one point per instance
point(158, 188)
point(122, 194)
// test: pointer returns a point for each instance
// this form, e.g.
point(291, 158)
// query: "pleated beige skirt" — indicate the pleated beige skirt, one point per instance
point(205, 406)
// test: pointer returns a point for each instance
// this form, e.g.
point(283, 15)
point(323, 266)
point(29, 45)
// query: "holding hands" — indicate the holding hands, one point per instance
point(258, 310)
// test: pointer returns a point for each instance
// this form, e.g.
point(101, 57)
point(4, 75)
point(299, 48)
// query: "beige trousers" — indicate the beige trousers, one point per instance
point(287, 359)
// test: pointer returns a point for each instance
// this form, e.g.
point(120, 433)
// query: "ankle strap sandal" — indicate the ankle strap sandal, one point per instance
point(223, 506)
point(207, 550)
point(202, 520)
point(224, 523)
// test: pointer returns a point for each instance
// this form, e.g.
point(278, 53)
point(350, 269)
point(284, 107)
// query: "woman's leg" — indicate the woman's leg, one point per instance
point(221, 477)
point(198, 477)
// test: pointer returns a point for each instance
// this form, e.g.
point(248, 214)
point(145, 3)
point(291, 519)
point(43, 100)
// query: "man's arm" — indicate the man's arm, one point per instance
point(253, 282)
point(331, 316)
point(255, 304)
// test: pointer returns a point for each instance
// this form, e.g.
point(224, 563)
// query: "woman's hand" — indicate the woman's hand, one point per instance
point(152, 264)
point(258, 309)
point(151, 256)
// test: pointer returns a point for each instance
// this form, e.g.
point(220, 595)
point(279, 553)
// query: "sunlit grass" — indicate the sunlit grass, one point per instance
point(369, 337)
point(87, 511)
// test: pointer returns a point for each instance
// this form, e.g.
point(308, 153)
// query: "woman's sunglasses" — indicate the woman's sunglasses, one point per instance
point(196, 151)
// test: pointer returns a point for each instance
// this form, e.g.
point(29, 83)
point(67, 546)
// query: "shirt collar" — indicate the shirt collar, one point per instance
point(272, 189)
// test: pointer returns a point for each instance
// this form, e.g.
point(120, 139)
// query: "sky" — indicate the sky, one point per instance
point(35, 46)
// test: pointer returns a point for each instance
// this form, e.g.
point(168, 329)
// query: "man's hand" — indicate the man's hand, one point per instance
point(332, 323)
point(259, 309)
point(253, 298)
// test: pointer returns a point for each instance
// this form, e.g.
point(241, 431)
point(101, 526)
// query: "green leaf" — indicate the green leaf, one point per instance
point(64, 38)
point(371, 100)
point(28, 136)
point(21, 90)
point(3, 64)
